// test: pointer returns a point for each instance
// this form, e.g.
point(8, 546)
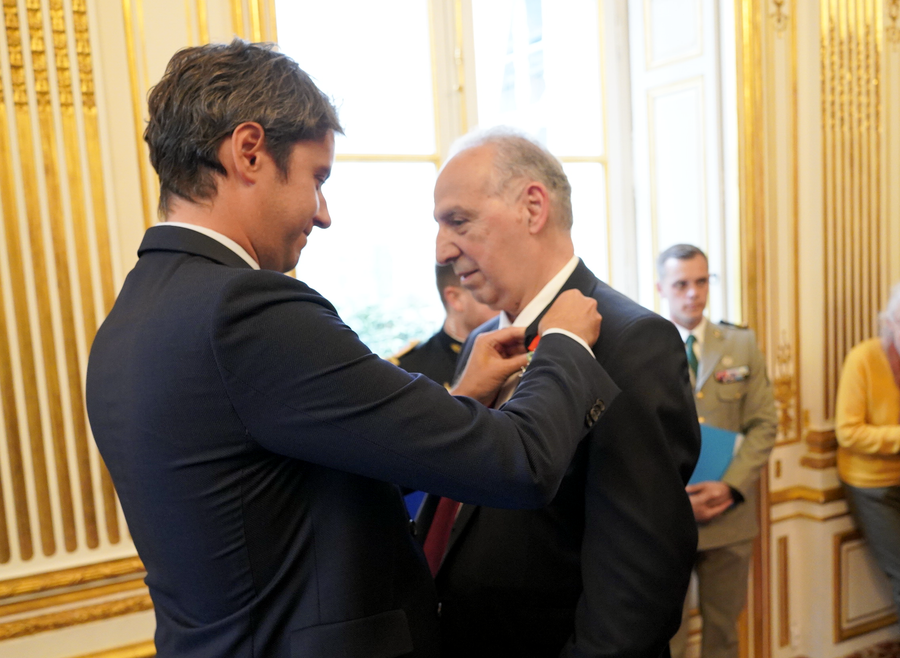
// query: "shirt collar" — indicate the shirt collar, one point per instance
point(699, 331)
point(543, 299)
point(225, 241)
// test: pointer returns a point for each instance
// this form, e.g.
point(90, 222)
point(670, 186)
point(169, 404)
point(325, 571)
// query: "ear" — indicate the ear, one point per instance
point(453, 298)
point(246, 150)
point(536, 202)
point(659, 287)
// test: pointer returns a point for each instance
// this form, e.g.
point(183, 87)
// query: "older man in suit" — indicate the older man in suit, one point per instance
point(732, 392)
point(603, 569)
point(251, 435)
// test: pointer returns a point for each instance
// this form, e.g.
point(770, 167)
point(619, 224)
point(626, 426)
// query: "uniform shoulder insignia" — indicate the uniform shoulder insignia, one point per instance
point(733, 325)
point(410, 346)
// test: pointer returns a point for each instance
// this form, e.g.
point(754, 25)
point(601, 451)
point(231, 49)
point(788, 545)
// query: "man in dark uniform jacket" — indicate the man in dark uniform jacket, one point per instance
point(436, 358)
point(251, 436)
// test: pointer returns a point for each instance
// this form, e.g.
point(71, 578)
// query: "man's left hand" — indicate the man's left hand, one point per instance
point(709, 499)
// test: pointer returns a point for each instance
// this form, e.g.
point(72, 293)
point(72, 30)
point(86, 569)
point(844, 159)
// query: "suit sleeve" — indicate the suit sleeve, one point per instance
point(640, 535)
point(306, 387)
point(851, 412)
point(758, 424)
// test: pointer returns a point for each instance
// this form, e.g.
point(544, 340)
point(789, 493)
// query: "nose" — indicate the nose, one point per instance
point(445, 250)
point(322, 218)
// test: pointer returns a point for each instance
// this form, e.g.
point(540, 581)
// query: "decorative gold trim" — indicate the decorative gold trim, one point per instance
point(136, 107)
point(256, 33)
point(892, 31)
point(202, 21)
point(821, 442)
point(141, 650)
point(10, 413)
point(83, 274)
point(38, 265)
point(818, 463)
point(780, 17)
point(751, 149)
point(70, 577)
point(842, 632)
point(784, 608)
point(785, 390)
point(801, 492)
point(71, 597)
point(75, 617)
point(810, 517)
point(237, 18)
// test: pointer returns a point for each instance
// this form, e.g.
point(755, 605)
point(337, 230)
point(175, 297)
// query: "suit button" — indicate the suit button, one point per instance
point(412, 527)
point(701, 419)
point(595, 412)
point(699, 395)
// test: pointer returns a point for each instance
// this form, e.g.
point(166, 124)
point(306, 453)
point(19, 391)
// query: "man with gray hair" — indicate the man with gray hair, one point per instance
point(603, 569)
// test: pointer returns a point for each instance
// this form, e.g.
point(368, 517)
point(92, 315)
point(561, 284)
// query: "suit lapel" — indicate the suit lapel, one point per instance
point(713, 349)
point(581, 279)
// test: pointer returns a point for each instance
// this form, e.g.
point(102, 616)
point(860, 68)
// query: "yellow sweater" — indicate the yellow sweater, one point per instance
point(867, 419)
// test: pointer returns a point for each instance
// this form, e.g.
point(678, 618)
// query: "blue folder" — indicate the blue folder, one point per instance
point(717, 448)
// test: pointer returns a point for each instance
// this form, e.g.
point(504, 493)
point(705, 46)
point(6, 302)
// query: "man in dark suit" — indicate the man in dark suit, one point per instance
point(251, 435)
point(603, 569)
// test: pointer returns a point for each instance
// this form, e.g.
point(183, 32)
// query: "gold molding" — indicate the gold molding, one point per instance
point(256, 26)
point(821, 441)
point(10, 413)
point(137, 107)
point(272, 22)
point(892, 31)
point(818, 463)
point(375, 157)
point(801, 492)
point(140, 650)
point(70, 577)
point(32, 226)
point(75, 617)
point(811, 517)
point(780, 17)
point(785, 392)
point(237, 18)
point(784, 609)
point(202, 21)
point(71, 597)
point(841, 632)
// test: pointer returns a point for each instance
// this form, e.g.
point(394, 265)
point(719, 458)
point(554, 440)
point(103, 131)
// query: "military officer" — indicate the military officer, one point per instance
point(732, 392)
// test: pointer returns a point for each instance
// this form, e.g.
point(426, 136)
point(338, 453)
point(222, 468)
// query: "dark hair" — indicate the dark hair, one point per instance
point(445, 276)
point(518, 157)
point(207, 91)
point(678, 252)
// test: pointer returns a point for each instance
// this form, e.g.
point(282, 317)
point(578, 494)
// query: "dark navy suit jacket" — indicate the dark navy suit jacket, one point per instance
point(250, 436)
point(602, 570)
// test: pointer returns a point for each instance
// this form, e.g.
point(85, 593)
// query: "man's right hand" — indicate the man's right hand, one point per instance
point(575, 313)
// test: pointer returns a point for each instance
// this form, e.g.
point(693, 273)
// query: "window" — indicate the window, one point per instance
point(399, 78)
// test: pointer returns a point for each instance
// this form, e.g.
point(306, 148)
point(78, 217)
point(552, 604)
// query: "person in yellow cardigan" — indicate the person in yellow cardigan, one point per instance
point(867, 421)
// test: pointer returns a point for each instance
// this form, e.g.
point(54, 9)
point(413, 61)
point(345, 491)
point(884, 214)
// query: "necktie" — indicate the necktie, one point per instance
point(691, 357)
point(438, 536)
point(439, 533)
